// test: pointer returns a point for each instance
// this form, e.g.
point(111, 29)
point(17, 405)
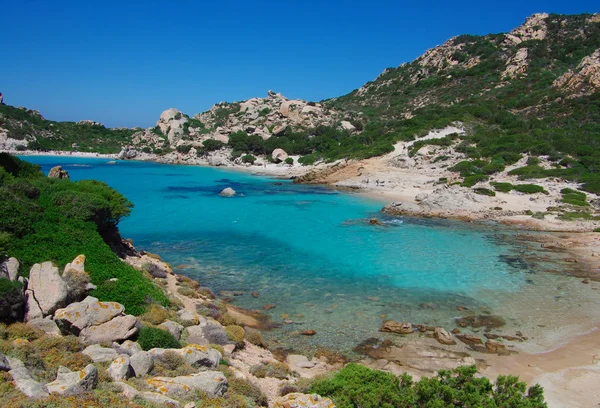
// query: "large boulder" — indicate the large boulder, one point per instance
point(279, 155)
point(298, 400)
point(100, 354)
point(74, 382)
point(118, 329)
point(120, 369)
point(213, 383)
point(195, 355)
point(128, 347)
point(10, 269)
point(172, 327)
point(25, 383)
point(58, 173)
point(392, 326)
point(46, 291)
point(4, 363)
point(141, 363)
point(87, 313)
point(77, 279)
point(171, 124)
point(47, 325)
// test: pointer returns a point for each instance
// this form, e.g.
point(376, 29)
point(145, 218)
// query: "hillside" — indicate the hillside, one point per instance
point(532, 92)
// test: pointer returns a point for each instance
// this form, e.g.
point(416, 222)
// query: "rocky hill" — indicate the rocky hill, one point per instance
point(532, 92)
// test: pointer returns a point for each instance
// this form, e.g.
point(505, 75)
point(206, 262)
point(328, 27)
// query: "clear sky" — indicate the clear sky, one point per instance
point(123, 62)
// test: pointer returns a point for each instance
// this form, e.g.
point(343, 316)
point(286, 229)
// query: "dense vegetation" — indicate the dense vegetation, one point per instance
point(358, 386)
point(44, 219)
point(51, 135)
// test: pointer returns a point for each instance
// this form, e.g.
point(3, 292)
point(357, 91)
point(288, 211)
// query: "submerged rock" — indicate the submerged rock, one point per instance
point(392, 326)
point(488, 321)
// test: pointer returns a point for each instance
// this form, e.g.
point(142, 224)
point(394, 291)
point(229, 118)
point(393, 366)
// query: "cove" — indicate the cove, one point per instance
point(311, 254)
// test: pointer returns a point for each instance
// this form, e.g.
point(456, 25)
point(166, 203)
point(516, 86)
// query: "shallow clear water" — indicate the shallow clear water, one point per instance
point(311, 252)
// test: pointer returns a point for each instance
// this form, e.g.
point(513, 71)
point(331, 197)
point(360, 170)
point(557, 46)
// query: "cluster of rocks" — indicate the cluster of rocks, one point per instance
point(492, 344)
point(59, 173)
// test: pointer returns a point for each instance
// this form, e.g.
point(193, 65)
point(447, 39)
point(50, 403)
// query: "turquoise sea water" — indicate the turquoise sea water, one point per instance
point(311, 252)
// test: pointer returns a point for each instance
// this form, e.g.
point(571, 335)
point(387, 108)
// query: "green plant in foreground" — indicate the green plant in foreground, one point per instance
point(529, 189)
point(359, 386)
point(152, 337)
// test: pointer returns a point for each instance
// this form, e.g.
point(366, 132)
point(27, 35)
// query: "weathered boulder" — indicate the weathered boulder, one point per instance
point(128, 347)
point(77, 279)
point(469, 339)
point(25, 383)
point(118, 329)
point(172, 327)
point(74, 382)
point(392, 326)
point(47, 325)
point(120, 369)
point(279, 155)
point(421, 197)
point(188, 318)
point(279, 130)
point(154, 398)
point(442, 336)
point(58, 173)
point(194, 354)
point(89, 312)
point(213, 383)
point(298, 400)
point(46, 291)
point(10, 269)
point(100, 354)
point(227, 192)
point(195, 335)
point(215, 334)
point(141, 363)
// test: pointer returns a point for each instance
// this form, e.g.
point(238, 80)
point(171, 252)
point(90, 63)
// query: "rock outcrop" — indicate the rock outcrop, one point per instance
point(585, 79)
point(298, 400)
point(74, 382)
point(46, 291)
point(10, 269)
point(25, 383)
point(213, 383)
point(227, 192)
point(58, 173)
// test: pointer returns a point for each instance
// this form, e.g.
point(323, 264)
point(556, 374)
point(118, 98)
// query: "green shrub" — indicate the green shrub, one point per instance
point(529, 189)
point(470, 181)
point(289, 161)
point(152, 337)
point(247, 389)
point(184, 148)
point(212, 144)
point(248, 159)
point(358, 386)
point(502, 187)
point(484, 191)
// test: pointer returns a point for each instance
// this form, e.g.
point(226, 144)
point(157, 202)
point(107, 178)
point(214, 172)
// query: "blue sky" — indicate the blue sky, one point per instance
point(123, 62)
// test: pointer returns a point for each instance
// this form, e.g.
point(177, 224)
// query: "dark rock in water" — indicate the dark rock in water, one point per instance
point(488, 321)
point(392, 326)
point(455, 331)
point(365, 347)
point(493, 346)
point(269, 306)
point(255, 294)
point(308, 333)
point(374, 221)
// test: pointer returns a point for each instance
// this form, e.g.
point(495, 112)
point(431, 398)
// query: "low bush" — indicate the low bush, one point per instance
point(359, 386)
point(529, 189)
point(470, 181)
point(155, 315)
point(236, 334)
point(247, 389)
point(484, 191)
point(248, 158)
point(152, 337)
point(502, 187)
point(289, 161)
point(276, 370)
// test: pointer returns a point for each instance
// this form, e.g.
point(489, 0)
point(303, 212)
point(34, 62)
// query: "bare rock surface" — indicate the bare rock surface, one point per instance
point(25, 383)
point(46, 291)
point(74, 382)
point(298, 400)
point(213, 383)
point(118, 329)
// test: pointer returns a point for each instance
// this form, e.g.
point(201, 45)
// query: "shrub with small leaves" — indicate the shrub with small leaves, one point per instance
point(152, 337)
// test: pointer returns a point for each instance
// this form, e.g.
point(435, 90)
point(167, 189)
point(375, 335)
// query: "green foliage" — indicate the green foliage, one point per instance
point(184, 148)
point(289, 161)
point(574, 197)
point(44, 219)
point(358, 386)
point(529, 189)
point(8, 286)
point(484, 191)
point(502, 187)
point(152, 337)
point(52, 135)
point(248, 158)
point(470, 181)
point(212, 145)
